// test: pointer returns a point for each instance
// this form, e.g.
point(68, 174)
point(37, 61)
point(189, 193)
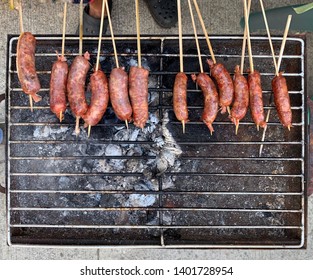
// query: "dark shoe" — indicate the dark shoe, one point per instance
point(164, 12)
point(91, 25)
point(277, 19)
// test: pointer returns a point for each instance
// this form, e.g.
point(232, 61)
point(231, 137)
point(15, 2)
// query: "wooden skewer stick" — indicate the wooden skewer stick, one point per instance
point(81, 31)
point(248, 36)
point(282, 48)
point(138, 33)
point(112, 35)
point(244, 43)
point(64, 28)
point(180, 35)
point(181, 57)
point(20, 12)
point(269, 37)
point(104, 3)
point(205, 31)
point(196, 36)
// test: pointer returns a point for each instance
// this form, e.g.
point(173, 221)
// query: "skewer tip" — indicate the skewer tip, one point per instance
point(77, 130)
point(126, 123)
point(258, 127)
point(183, 124)
point(89, 130)
point(61, 116)
point(237, 127)
point(31, 103)
point(228, 110)
point(289, 126)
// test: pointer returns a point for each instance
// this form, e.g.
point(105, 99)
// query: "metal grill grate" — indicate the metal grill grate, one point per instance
point(112, 189)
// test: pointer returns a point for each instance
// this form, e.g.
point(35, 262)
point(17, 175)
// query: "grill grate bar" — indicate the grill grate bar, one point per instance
point(152, 227)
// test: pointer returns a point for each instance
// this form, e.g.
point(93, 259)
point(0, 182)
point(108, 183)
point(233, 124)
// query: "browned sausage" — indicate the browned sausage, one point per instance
point(210, 98)
point(26, 69)
point(76, 84)
point(180, 97)
point(118, 88)
point(241, 100)
point(256, 99)
point(99, 98)
point(58, 82)
point(138, 92)
point(224, 83)
point(282, 100)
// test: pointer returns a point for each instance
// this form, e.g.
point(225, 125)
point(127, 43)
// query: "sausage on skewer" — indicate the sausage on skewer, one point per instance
point(138, 91)
point(210, 98)
point(26, 69)
point(224, 83)
point(99, 98)
point(282, 100)
point(58, 82)
point(118, 88)
point(256, 99)
point(76, 86)
point(180, 98)
point(241, 100)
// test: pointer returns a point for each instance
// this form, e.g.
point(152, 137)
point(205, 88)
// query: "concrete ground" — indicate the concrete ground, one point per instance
point(221, 17)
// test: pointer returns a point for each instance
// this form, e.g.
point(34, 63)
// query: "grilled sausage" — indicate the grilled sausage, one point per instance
point(118, 88)
point(76, 85)
point(138, 91)
point(58, 82)
point(26, 69)
point(224, 83)
point(99, 98)
point(282, 100)
point(256, 99)
point(210, 98)
point(241, 100)
point(180, 97)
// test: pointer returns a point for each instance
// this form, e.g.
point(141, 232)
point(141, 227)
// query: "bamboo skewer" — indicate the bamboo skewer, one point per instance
point(138, 33)
point(269, 38)
point(248, 35)
point(205, 31)
point(196, 36)
point(180, 35)
point(81, 31)
point(21, 24)
point(282, 48)
point(104, 4)
point(244, 43)
point(112, 34)
point(181, 58)
point(113, 43)
point(64, 28)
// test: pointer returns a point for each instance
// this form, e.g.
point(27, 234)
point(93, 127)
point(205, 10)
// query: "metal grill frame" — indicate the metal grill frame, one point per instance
point(303, 124)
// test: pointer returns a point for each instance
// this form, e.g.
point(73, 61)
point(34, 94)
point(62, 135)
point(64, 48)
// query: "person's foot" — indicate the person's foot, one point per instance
point(92, 18)
point(164, 12)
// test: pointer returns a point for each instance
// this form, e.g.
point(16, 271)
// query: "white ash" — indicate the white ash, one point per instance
point(140, 200)
point(42, 132)
point(113, 150)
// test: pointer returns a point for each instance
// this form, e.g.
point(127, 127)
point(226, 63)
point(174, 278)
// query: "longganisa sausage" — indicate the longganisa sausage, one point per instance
point(210, 94)
point(76, 86)
point(282, 100)
point(224, 84)
point(118, 89)
point(256, 99)
point(26, 68)
point(180, 97)
point(138, 92)
point(99, 98)
point(241, 98)
point(58, 83)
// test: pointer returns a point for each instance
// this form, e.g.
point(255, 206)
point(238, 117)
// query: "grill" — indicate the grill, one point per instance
point(157, 187)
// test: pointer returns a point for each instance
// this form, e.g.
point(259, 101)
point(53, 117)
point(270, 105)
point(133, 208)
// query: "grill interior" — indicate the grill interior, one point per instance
point(157, 186)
